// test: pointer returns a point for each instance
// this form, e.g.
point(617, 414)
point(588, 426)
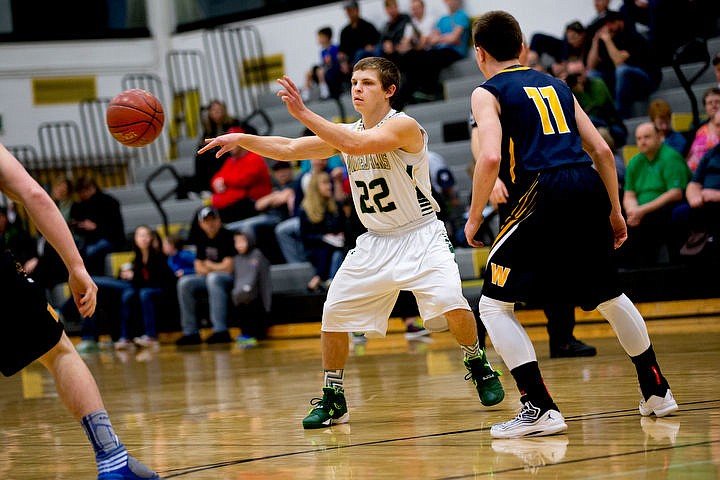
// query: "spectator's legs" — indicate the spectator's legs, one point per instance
point(125, 299)
point(541, 43)
point(288, 237)
point(95, 256)
point(187, 286)
point(147, 303)
point(631, 83)
point(219, 285)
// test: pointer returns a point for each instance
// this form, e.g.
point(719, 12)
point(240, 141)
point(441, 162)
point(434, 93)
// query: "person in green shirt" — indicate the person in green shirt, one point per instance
point(596, 100)
point(654, 183)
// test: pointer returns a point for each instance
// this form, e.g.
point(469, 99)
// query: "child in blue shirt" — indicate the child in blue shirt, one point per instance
point(181, 261)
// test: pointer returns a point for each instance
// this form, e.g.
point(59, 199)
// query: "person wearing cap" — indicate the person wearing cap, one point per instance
point(625, 60)
point(243, 178)
point(406, 246)
point(213, 274)
point(357, 39)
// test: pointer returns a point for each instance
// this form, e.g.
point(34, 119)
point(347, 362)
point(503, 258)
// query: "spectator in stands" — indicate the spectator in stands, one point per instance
point(444, 193)
point(602, 7)
point(287, 232)
point(698, 219)
point(97, 224)
point(393, 32)
point(180, 261)
point(446, 44)
point(326, 75)
point(708, 135)
point(660, 115)
point(147, 278)
point(213, 274)
point(216, 121)
point(252, 290)
point(624, 59)
point(417, 32)
point(243, 178)
point(655, 180)
point(595, 99)
point(272, 208)
point(357, 39)
point(571, 46)
point(321, 229)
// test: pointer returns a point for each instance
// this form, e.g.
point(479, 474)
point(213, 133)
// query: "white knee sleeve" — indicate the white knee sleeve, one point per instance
point(628, 324)
point(510, 340)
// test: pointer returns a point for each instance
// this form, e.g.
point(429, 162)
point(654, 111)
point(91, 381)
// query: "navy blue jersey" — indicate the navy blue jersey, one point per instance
point(537, 114)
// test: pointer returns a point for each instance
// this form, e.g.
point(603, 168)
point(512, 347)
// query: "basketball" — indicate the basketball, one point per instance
point(135, 117)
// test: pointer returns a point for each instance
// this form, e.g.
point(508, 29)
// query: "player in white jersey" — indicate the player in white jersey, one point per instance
point(406, 246)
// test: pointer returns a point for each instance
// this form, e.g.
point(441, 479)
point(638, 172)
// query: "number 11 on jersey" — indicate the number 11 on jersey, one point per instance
point(538, 95)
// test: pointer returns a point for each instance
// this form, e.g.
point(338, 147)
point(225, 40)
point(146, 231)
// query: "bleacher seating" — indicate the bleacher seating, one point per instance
point(292, 303)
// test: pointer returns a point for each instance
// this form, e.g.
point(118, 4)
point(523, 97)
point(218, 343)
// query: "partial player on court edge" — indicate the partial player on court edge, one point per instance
point(33, 332)
point(406, 246)
point(557, 244)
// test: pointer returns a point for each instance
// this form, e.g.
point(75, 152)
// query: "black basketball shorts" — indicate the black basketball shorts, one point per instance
point(30, 328)
point(557, 244)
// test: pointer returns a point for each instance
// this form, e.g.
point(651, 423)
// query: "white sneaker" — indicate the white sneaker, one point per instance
point(145, 341)
point(530, 422)
point(534, 452)
point(657, 405)
point(124, 344)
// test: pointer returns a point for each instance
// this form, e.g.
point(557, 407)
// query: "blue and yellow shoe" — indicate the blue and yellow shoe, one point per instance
point(329, 410)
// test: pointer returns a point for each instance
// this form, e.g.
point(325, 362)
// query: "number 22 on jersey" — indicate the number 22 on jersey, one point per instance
point(541, 94)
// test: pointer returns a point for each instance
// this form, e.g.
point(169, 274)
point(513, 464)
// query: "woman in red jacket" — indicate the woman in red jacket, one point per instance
point(243, 178)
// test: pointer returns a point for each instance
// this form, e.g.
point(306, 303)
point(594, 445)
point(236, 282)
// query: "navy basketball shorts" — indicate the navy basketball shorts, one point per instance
point(557, 244)
point(30, 328)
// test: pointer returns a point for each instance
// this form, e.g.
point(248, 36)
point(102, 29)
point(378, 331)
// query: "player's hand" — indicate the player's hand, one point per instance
point(226, 143)
point(499, 193)
point(290, 95)
point(471, 229)
point(84, 291)
point(619, 229)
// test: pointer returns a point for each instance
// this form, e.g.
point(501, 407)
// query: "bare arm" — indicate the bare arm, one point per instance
point(602, 157)
point(694, 195)
point(225, 265)
point(397, 133)
point(278, 148)
point(486, 111)
point(499, 192)
point(618, 57)
point(19, 186)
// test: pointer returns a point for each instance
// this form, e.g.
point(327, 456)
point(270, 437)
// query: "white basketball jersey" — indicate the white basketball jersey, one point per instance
point(391, 190)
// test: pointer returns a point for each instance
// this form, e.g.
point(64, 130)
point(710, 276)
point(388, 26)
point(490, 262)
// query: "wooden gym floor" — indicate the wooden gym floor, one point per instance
point(227, 413)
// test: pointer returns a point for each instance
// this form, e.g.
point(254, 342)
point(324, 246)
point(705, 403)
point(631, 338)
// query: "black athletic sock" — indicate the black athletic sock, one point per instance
point(649, 376)
point(532, 387)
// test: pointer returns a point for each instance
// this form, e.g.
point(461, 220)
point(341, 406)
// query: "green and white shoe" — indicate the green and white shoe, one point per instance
point(329, 410)
point(485, 379)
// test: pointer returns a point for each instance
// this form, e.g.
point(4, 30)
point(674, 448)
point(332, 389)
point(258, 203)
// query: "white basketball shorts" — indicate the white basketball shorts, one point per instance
point(419, 259)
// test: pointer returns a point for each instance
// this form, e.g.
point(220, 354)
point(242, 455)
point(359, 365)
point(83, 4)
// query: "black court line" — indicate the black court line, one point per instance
point(183, 471)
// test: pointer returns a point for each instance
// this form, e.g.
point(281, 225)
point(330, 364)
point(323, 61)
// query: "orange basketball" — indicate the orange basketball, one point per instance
point(135, 117)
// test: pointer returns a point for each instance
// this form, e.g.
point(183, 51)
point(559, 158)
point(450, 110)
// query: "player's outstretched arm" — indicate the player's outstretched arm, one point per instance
point(20, 186)
point(401, 133)
point(486, 111)
point(277, 148)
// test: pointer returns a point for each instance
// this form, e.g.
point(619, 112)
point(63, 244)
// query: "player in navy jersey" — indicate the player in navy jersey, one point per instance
point(557, 244)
